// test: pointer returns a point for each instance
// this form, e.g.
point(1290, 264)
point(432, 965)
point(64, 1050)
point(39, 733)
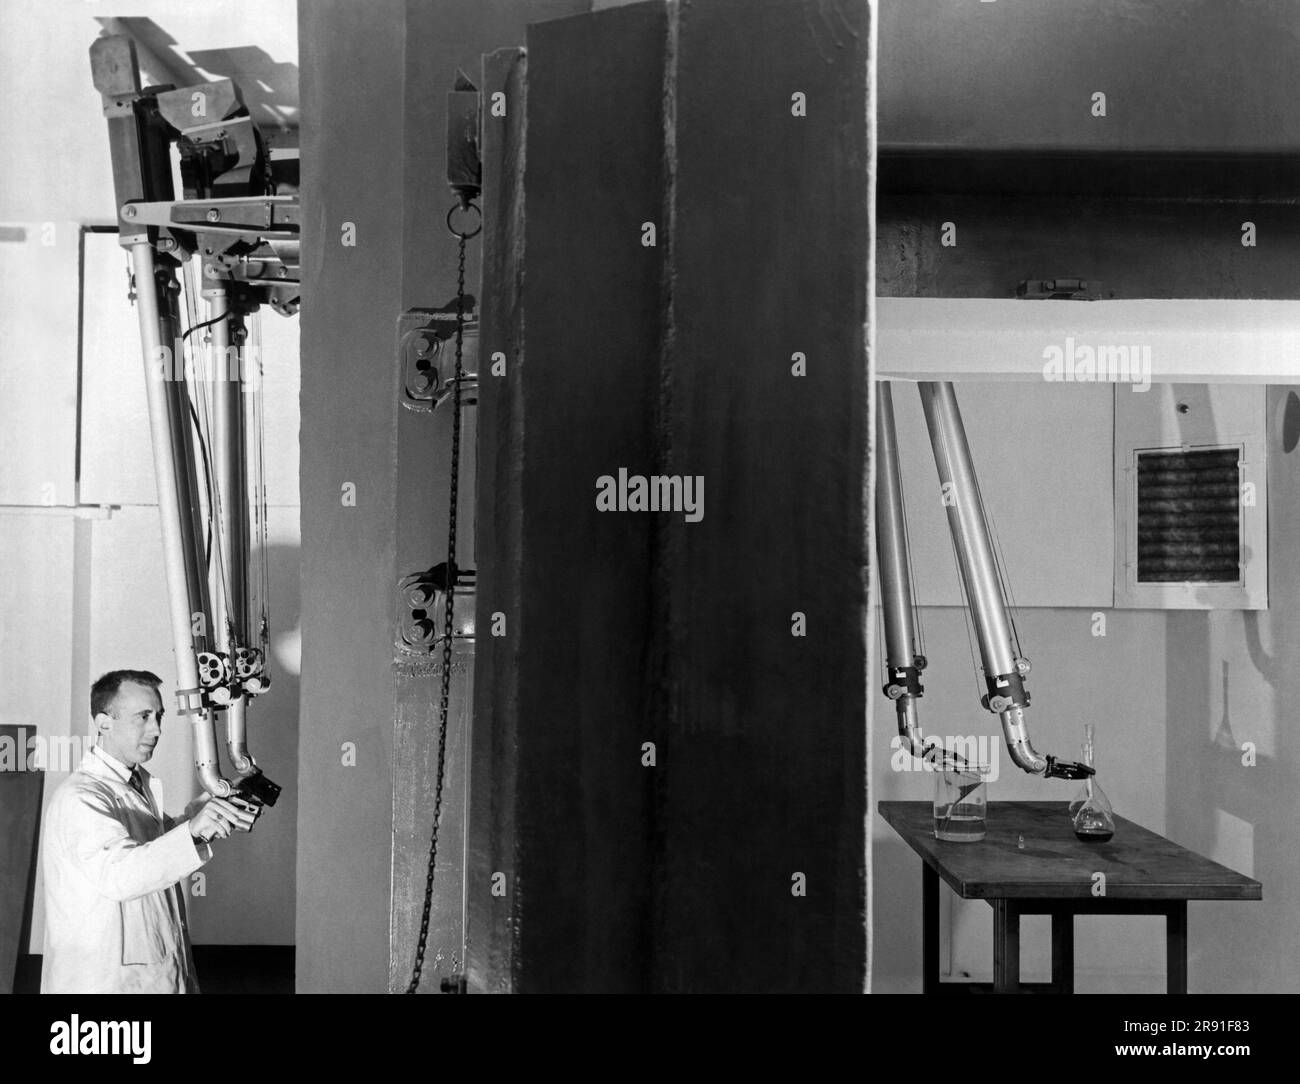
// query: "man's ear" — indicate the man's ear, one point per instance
point(103, 723)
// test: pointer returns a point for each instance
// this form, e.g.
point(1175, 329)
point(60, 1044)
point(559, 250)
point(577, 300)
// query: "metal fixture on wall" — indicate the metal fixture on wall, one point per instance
point(1191, 497)
point(1062, 290)
point(426, 348)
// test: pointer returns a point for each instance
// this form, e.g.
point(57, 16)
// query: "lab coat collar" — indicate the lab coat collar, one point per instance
point(99, 756)
point(103, 765)
point(120, 771)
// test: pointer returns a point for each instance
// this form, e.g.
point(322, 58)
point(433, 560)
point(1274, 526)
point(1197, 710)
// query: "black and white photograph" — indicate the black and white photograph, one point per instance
point(665, 497)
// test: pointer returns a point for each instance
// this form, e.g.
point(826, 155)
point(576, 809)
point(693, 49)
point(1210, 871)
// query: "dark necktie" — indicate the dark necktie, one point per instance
point(137, 783)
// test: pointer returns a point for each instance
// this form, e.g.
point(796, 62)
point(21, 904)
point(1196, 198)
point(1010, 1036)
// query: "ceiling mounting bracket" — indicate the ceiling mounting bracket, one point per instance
point(1061, 290)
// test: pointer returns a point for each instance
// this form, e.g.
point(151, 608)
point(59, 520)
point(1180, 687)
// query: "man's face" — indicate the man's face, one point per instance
point(133, 726)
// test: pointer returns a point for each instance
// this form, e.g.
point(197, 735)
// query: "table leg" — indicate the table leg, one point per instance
point(1176, 948)
point(1006, 947)
point(929, 930)
point(1063, 952)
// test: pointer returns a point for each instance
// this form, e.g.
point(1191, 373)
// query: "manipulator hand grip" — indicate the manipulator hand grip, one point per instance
point(258, 788)
point(1067, 769)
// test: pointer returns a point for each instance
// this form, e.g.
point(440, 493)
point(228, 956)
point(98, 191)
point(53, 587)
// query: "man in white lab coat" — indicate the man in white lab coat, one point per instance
point(113, 861)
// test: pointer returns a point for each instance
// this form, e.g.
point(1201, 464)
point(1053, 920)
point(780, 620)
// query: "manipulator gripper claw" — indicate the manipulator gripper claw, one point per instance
point(1067, 769)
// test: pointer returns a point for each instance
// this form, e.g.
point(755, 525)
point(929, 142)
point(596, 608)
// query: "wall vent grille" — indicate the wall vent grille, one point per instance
point(1189, 516)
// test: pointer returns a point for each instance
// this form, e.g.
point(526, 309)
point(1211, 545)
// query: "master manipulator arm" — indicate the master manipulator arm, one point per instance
point(245, 242)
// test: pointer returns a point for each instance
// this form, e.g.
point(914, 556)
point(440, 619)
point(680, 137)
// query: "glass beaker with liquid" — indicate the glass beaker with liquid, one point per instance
point(960, 803)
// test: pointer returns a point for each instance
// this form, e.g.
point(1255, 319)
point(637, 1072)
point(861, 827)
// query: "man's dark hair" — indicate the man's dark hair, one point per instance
point(104, 691)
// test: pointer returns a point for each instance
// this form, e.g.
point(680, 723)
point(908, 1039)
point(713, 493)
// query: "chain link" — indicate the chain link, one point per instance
point(448, 617)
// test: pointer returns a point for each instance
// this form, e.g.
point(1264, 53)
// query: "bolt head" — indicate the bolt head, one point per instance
point(128, 211)
point(214, 214)
point(420, 594)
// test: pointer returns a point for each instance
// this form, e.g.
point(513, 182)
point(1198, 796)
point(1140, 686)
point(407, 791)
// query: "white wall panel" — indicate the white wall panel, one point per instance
point(117, 461)
point(1201, 340)
point(38, 363)
point(36, 618)
point(1043, 456)
point(42, 637)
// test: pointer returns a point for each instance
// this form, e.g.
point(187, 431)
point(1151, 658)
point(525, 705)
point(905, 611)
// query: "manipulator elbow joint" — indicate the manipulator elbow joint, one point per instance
point(905, 680)
point(1007, 691)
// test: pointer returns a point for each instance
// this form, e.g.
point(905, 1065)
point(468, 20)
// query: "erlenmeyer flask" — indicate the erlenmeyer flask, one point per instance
point(1094, 819)
point(1082, 796)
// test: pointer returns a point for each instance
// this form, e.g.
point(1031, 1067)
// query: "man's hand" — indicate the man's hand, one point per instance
point(218, 818)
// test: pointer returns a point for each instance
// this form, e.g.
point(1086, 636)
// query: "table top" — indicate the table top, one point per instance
point(1138, 864)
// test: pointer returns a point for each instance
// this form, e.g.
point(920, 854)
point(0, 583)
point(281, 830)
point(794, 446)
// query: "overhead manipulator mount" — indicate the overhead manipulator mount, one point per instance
point(236, 233)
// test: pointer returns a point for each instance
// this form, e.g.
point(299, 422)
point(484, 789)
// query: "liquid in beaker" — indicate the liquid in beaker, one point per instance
point(960, 805)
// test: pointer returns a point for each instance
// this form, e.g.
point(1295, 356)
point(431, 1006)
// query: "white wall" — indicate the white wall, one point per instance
point(1233, 678)
point(1031, 476)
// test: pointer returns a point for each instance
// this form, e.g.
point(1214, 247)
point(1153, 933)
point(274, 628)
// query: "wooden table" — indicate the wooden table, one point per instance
point(1145, 874)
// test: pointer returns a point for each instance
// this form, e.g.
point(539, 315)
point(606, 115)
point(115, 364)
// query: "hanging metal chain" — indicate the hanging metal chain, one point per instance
point(448, 616)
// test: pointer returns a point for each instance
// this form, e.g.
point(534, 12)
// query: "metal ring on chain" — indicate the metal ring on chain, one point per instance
point(468, 207)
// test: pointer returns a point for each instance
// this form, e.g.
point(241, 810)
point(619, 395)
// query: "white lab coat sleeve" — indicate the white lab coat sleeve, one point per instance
point(189, 812)
point(118, 866)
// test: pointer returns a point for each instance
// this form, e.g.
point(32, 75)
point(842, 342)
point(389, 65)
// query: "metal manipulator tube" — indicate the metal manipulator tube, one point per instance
point(1011, 711)
point(178, 502)
point(1004, 670)
point(903, 685)
point(903, 663)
